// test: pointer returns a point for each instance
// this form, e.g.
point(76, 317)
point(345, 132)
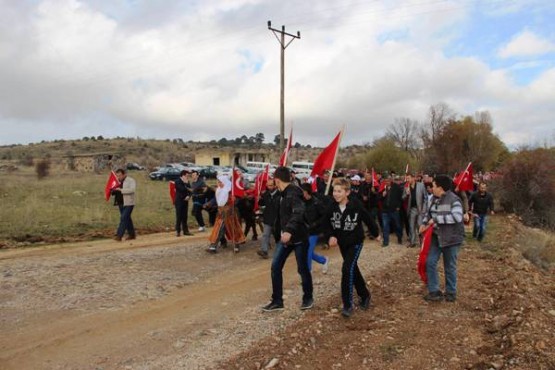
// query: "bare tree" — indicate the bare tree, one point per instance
point(404, 133)
point(439, 116)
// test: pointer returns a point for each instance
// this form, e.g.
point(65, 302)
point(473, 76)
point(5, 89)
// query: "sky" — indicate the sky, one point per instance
point(207, 69)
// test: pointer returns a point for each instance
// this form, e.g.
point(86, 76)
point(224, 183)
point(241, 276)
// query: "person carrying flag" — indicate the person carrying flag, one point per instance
point(446, 217)
point(127, 191)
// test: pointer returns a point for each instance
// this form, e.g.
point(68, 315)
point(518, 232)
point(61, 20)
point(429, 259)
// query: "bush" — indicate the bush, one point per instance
point(42, 168)
point(527, 187)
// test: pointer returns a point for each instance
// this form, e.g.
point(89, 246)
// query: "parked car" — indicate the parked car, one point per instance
point(134, 166)
point(165, 173)
point(209, 172)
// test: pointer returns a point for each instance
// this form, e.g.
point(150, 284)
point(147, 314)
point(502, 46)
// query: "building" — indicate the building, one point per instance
point(232, 156)
point(95, 162)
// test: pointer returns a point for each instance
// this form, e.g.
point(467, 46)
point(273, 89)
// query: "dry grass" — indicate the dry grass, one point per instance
point(72, 204)
point(536, 245)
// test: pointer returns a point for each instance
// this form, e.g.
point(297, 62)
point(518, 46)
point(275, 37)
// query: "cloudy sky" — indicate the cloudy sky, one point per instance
point(206, 69)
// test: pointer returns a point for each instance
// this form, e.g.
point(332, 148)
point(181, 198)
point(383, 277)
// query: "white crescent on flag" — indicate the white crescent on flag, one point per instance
point(238, 183)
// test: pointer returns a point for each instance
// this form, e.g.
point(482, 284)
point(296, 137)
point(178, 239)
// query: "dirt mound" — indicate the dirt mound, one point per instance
point(503, 318)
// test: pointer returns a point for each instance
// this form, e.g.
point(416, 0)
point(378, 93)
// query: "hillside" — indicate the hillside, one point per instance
point(147, 152)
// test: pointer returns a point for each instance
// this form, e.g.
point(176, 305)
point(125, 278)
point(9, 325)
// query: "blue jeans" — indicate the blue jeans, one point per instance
point(280, 256)
point(125, 221)
point(480, 223)
point(449, 264)
point(387, 218)
point(312, 240)
point(351, 275)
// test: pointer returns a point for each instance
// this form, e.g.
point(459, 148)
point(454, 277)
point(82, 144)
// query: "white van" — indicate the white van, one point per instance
point(257, 166)
point(302, 168)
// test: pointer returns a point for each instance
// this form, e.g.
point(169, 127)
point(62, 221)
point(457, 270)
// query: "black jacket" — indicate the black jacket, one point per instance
point(291, 214)
point(371, 194)
point(271, 206)
point(182, 191)
point(393, 198)
point(481, 204)
point(314, 214)
point(347, 226)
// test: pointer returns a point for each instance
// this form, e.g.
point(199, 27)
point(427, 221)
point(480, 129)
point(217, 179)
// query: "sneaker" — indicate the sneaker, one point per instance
point(262, 254)
point(326, 265)
point(385, 245)
point(347, 312)
point(201, 229)
point(307, 304)
point(450, 297)
point(434, 297)
point(236, 249)
point(254, 237)
point(365, 303)
point(212, 249)
point(273, 306)
point(188, 233)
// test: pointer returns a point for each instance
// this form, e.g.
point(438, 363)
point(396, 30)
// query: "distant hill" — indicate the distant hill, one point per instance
point(147, 152)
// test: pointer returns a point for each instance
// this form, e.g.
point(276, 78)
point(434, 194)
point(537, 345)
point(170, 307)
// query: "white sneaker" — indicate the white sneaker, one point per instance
point(201, 229)
point(326, 265)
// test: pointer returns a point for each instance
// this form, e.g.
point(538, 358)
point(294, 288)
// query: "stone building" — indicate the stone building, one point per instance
point(94, 162)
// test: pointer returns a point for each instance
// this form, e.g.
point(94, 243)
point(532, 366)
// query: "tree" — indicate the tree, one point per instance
point(259, 138)
point(404, 133)
point(386, 156)
point(276, 139)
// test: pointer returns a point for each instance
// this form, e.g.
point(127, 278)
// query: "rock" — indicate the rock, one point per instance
point(454, 359)
point(179, 344)
point(334, 310)
point(272, 363)
point(552, 312)
point(497, 365)
point(473, 352)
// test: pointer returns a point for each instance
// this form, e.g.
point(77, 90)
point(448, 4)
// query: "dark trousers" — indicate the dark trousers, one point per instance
point(351, 276)
point(389, 218)
point(125, 221)
point(280, 256)
point(197, 212)
point(212, 214)
point(250, 222)
point(404, 218)
point(181, 216)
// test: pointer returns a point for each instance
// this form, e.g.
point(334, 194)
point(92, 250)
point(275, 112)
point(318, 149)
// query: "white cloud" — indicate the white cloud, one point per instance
point(211, 69)
point(526, 44)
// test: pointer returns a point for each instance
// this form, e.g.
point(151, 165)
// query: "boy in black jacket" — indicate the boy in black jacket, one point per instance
point(344, 229)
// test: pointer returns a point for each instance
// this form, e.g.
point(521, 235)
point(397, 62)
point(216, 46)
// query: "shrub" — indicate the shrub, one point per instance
point(527, 186)
point(42, 168)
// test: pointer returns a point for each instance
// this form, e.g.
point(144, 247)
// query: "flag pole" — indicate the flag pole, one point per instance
point(334, 160)
point(462, 177)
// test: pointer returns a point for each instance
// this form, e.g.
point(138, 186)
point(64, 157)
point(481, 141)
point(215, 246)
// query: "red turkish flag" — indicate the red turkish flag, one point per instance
point(260, 185)
point(375, 181)
point(237, 189)
point(112, 183)
point(172, 191)
point(423, 256)
point(325, 159)
point(285, 154)
point(464, 180)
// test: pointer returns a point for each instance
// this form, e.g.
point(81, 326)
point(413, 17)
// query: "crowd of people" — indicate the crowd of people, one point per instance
point(340, 211)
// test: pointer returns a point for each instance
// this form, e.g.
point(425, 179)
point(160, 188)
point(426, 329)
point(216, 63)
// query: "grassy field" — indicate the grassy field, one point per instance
point(72, 205)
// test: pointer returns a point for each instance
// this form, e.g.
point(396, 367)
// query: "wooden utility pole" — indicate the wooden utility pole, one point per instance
point(281, 40)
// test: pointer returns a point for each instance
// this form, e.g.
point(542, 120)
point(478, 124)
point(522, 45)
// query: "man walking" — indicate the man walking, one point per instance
point(293, 238)
point(127, 190)
point(480, 204)
point(182, 196)
point(270, 200)
point(414, 195)
point(391, 197)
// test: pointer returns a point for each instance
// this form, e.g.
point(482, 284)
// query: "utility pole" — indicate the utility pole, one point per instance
point(281, 41)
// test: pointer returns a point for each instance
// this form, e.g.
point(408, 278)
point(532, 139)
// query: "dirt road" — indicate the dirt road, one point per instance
point(159, 302)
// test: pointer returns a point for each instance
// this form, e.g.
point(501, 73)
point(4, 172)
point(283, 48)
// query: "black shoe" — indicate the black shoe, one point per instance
point(262, 254)
point(307, 304)
point(212, 249)
point(347, 312)
point(178, 234)
point(434, 297)
point(365, 303)
point(254, 237)
point(400, 241)
point(273, 306)
point(450, 297)
point(188, 233)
